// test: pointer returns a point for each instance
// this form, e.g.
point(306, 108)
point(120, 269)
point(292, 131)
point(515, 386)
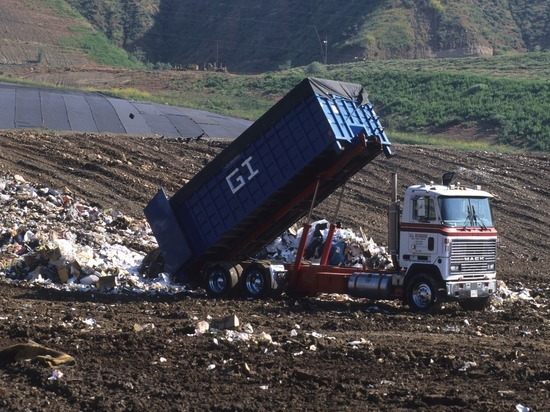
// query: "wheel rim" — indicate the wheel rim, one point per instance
point(255, 282)
point(217, 281)
point(422, 295)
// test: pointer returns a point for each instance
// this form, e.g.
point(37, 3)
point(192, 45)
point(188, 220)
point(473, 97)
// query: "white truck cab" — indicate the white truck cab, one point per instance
point(447, 246)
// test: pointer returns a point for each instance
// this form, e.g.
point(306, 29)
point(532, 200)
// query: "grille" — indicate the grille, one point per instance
point(473, 255)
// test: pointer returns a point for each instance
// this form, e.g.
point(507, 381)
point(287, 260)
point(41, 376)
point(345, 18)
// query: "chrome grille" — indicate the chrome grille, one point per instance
point(473, 255)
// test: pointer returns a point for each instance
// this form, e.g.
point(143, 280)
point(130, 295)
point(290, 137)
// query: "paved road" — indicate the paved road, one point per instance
point(29, 107)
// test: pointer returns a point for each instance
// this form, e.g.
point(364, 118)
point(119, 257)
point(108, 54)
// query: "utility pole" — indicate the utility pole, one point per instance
point(325, 42)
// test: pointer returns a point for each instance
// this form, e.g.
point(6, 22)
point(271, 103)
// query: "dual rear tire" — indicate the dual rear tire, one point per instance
point(224, 279)
point(220, 279)
point(256, 281)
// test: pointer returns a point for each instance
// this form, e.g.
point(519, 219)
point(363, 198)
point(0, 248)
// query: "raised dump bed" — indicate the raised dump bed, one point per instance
point(264, 181)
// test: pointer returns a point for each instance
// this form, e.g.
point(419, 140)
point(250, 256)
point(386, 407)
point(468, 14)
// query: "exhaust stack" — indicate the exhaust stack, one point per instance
point(394, 209)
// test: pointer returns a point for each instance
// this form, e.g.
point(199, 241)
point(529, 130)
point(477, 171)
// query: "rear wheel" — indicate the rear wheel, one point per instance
point(423, 294)
point(220, 279)
point(474, 304)
point(256, 281)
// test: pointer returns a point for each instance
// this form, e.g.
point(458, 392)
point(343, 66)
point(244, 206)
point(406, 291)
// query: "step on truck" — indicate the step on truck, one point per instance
point(304, 148)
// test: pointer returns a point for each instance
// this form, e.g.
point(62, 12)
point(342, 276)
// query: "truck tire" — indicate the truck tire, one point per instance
point(423, 294)
point(220, 280)
point(478, 304)
point(256, 281)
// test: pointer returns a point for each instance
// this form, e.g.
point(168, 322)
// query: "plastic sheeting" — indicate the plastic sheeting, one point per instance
point(24, 107)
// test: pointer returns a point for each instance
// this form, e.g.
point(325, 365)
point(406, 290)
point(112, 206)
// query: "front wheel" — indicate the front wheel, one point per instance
point(478, 304)
point(220, 279)
point(423, 294)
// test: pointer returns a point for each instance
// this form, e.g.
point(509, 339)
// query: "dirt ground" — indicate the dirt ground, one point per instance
point(140, 351)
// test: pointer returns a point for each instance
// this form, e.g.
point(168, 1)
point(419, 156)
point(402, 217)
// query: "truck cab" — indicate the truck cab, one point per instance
point(447, 245)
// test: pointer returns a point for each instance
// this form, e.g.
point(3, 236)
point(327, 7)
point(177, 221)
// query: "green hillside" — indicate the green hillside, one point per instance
point(458, 99)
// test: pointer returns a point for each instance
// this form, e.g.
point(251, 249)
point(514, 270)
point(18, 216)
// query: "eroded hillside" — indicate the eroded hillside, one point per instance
point(33, 33)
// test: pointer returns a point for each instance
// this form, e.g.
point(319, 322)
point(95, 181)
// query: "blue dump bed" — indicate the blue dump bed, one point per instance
point(265, 180)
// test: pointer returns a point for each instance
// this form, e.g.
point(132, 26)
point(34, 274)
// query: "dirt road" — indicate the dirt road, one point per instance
point(141, 352)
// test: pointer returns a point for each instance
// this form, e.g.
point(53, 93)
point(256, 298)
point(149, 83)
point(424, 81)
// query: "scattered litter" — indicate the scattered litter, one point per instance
point(89, 321)
point(450, 329)
point(361, 341)
point(521, 408)
point(140, 328)
point(264, 337)
point(34, 352)
point(231, 336)
point(467, 365)
point(56, 375)
point(211, 367)
point(201, 327)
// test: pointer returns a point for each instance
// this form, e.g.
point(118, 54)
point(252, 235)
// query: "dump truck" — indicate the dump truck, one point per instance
point(442, 239)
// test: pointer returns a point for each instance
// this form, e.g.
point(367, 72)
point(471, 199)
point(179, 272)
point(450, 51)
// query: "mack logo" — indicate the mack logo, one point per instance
point(473, 258)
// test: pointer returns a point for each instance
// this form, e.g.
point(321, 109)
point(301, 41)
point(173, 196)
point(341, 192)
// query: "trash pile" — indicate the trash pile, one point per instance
point(348, 249)
point(51, 237)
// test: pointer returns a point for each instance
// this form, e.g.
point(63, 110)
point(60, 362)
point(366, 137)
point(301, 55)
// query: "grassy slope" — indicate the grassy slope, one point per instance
point(506, 98)
point(52, 32)
point(85, 39)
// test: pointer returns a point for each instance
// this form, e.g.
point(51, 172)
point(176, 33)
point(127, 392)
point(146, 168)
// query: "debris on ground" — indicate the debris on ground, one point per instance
point(33, 352)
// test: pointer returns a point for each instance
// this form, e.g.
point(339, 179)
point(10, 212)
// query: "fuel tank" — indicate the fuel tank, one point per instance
point(370, 285)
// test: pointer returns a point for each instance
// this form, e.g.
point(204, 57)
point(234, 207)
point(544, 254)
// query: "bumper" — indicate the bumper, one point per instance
point(471, 289)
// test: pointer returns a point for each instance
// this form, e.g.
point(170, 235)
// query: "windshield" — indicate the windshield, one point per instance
point(466, 211)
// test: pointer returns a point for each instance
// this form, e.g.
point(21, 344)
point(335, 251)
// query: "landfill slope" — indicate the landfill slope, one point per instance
point(150, 351)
